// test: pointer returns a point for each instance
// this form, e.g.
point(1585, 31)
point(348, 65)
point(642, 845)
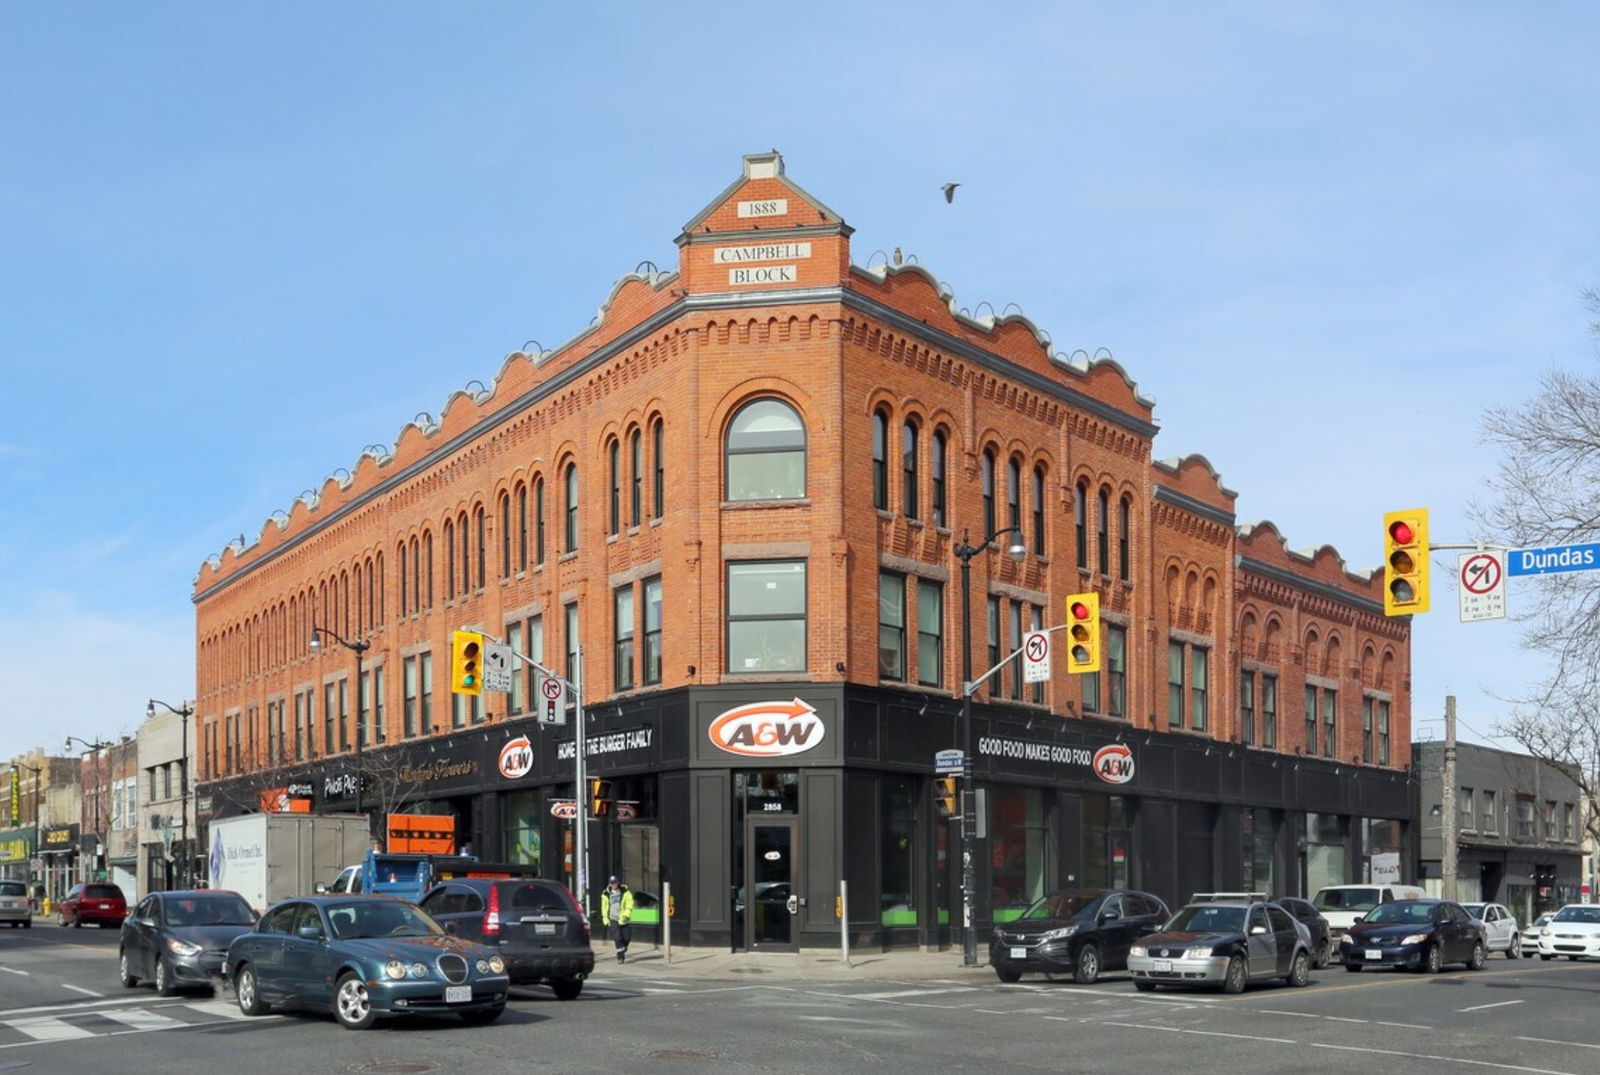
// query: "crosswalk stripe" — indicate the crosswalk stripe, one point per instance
point(47, 1028)
point(225, 1009)
point(913, 993)
point(141, 1019)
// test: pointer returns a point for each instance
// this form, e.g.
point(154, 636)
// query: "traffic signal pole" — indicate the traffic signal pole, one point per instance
point(580, 787)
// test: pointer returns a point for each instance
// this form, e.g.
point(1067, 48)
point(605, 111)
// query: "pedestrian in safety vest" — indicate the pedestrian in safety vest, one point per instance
point(616, 913)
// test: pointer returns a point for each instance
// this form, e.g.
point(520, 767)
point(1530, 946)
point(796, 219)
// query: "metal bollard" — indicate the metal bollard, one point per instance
point(666, 919)
point(844, 922)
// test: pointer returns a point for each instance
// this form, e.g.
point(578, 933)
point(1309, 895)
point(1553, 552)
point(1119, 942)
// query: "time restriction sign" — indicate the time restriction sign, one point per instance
point(1483, 585)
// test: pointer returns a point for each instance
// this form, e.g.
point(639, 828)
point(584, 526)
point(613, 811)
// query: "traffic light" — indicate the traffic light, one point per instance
point(1405, 562)
point(599, 797)
point(466, 662)
point(1083, 632)
point(944, 792)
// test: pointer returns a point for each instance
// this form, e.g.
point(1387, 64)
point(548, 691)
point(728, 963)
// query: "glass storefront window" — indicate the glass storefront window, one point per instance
point(1017, 843)
point(1326, 851)
point(897, 852)
point(524, 812)
point(1260, 846)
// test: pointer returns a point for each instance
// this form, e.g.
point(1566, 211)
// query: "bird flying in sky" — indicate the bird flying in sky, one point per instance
point(950, 191)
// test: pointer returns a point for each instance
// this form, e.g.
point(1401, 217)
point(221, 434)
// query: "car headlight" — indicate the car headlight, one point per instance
point(1346, 940)
point(419, 970)
point(1138, 950)
point(182, 948)
point(1544, 931)
point(1413, 938)
point(497, 965)
point(1058, 934)
point(1198, 952)
point(394, 969)
point(482, 966)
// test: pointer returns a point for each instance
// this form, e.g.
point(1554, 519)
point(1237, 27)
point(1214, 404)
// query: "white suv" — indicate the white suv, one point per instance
point(1499, 927)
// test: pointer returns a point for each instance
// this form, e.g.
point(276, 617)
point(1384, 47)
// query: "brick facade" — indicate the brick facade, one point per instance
point(839, 343)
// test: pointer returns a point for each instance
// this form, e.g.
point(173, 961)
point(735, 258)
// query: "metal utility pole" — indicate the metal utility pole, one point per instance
point(1447, 805)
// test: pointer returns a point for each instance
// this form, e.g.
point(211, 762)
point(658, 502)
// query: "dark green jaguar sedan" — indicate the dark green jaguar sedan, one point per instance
point(365, 958)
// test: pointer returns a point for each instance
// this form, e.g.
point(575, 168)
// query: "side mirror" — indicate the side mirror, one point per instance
point(450, 927)
point(320, 888)
point(310, 933)
point(1109, 916)
point(1256, 931)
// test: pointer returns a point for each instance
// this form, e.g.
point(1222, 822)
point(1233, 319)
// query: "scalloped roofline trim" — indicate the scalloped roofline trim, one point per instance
point(1300, 582)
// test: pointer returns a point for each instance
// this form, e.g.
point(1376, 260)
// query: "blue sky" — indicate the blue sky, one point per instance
point(240, 242)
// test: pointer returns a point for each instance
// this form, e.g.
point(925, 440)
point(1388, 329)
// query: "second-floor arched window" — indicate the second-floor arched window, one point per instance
point(766, 452)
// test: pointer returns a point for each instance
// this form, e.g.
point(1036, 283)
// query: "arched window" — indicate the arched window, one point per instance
point(657, 446)
point(449, 559)
point(766, 453)
point(614, 457)
point(635, 477)
point(464, 532)
point(427, 560)
point(988, 491)
point(505, 535)
point(538, 521)
point(522, 527)
point(1038, 510)
point(571, 508)
point(880, 461)
point(1102, 535)
point(405, 597)
point(1014, 495)
point(1124, 520)
point(1080, 522)
point(938, 478)
point(908, 470)
point(480, 518)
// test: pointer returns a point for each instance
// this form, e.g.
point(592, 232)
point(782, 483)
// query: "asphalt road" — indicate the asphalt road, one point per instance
point(62, 1010)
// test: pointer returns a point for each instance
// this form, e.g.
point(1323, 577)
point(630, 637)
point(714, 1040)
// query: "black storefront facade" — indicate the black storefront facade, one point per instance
point(754, 801)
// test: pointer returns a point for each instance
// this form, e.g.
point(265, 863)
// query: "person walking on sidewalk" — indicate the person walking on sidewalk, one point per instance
point(616, 913)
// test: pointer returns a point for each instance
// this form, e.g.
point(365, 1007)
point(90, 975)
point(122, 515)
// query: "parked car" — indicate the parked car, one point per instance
point(176, 939)
point(1080, 933)
point(1223, 942)
point(1500, 927)
point(536, 926)
point(363, 957)
point(1530, 934)
point(14, 907)
point(1573, 931)
point(1345, 904)
point(102, 904)
point(1306, 913)
point(1418, 934)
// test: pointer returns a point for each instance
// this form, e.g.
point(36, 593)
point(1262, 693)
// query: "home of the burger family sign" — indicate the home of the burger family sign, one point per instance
point(767, 729)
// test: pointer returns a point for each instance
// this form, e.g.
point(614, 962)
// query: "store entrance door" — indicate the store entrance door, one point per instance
point(771, 897)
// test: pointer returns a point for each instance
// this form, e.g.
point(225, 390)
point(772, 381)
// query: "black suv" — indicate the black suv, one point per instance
point(1079, 933)
point(535, 925)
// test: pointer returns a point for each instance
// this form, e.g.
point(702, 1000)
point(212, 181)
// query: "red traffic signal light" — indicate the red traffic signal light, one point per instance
point(1083, 633)
point(1405, 562)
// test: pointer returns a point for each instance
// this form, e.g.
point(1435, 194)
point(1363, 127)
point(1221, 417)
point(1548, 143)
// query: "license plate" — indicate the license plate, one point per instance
point(544, 929)
point(1019, 953)
point(1374, 953)
point(1163, 966)
point(457, 994)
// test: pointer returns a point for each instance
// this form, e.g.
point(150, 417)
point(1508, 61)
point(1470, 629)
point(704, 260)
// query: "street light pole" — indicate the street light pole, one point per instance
point(184, 713)
point(969, 814)
point(96, 747)
point(358, 647)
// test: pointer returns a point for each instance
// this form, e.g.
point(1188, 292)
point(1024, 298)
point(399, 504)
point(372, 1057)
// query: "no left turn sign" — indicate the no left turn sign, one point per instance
point(1036, 657)
point(1483, 585)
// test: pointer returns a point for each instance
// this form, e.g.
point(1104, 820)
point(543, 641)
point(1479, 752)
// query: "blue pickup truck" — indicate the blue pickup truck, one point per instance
point(409, 876)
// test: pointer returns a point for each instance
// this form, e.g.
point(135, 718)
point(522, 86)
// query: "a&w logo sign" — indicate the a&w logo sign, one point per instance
point(768, 729)
point(1113, 763)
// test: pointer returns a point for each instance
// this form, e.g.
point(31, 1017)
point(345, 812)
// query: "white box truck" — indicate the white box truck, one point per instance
point(270, 857)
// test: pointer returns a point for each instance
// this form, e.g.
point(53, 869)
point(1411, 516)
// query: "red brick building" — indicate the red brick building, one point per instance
point(709, 493)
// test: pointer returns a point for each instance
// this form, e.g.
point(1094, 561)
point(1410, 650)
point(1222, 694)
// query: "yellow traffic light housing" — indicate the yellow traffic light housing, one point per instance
point(599, 797)
point(466, 662)
point(946, 795)
point(1083, 633)
point(1405, 562)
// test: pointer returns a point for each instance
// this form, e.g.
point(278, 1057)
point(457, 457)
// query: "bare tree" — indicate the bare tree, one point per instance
point(1547, 492)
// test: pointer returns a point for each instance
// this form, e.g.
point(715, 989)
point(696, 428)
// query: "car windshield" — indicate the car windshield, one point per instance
point(1404, 911)
point(380, 918)
point(1473, 909)
point(1542, 920)
point(1346, 899)
point(217, 910)
point(1062, 905)
point(1590, 914)
point(1207, 918)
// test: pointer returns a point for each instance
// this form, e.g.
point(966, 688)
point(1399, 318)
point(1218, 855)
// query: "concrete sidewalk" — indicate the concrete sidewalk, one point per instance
point(718, 964)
